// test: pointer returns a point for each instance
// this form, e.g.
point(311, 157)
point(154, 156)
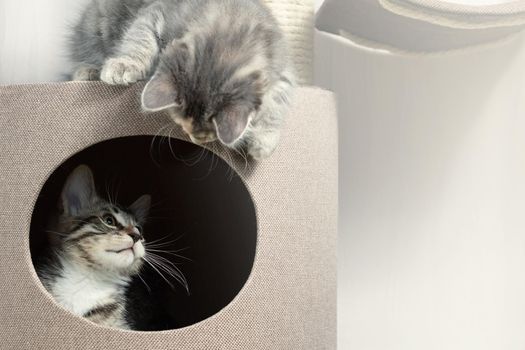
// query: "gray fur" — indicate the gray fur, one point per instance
point(218, 67)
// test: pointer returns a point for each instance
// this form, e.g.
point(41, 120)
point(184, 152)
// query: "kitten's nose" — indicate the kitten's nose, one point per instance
point(134, 234)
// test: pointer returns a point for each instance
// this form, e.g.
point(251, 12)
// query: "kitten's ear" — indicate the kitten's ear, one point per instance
point(140, 208)
point(79, 191)
point(232, 123)
point(159, 94)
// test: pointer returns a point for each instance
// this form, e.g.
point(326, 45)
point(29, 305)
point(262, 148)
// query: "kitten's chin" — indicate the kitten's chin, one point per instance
point(126, 261)
point(202, 140)
point(197, 137)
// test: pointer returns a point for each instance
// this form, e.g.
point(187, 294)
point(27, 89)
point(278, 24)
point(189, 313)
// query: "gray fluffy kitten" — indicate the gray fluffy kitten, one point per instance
point(218, 67)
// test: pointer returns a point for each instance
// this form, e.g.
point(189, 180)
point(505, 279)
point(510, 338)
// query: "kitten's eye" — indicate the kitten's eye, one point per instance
point(109, 220)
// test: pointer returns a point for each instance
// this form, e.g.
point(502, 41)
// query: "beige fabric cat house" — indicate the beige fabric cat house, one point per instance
point(288, 299)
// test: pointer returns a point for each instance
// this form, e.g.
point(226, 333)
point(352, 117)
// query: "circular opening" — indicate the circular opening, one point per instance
point(201, 227)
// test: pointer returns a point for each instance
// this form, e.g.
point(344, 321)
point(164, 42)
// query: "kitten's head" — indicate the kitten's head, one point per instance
point(209, 89)
point(99, 234)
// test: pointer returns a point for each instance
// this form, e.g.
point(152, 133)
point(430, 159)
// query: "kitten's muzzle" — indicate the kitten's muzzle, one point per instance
point(135, 236)
point(134, 233)
point(121, 250)
point(203, 138)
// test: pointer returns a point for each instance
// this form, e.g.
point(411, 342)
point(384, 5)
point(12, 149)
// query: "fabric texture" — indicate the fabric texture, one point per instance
point(289, 301)
point(296, 18)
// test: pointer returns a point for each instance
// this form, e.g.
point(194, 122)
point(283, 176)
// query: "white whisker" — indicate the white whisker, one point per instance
point(169, 267)
point(154, 268)
point(174, 253)
point(147, 287)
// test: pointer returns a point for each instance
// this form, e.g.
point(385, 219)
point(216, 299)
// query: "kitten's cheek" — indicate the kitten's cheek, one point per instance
point(176, 117)
point(138, 250)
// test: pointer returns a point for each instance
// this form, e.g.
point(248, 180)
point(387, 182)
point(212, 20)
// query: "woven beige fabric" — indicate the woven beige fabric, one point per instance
point(296, 18)
point(288, 301)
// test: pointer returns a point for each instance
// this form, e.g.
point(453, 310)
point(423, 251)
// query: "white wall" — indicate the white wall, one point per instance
point(432, 196)
point(32, 36)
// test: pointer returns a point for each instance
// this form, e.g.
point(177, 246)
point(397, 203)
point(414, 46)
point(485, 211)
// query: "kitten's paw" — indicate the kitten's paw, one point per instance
point(260, 153)
point(264, 146)
point(121, 71)
point(86, 73)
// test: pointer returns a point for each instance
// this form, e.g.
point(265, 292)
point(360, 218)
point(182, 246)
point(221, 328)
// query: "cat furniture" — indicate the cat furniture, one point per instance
point(282, 213)
point(288, 300)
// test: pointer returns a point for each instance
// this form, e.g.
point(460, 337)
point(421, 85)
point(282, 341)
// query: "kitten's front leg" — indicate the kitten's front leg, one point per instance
point(264, 145)
point(264, 132)
point(136, 55)
point(123, 71)
point(86, 72)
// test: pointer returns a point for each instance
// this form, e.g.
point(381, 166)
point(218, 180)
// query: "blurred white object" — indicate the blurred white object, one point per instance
point(368, 23)
point(479, 2)
point(462, 14)
point(432, 189)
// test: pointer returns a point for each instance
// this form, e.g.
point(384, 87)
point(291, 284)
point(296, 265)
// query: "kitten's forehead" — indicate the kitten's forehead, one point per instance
point(121, 214)
point(204, 85)
point(197, 104)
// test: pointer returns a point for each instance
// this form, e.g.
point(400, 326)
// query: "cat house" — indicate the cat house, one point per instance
point(261, 237)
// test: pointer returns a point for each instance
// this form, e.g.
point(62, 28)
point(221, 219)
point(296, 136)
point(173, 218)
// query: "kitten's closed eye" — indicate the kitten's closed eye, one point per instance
point(227, 123)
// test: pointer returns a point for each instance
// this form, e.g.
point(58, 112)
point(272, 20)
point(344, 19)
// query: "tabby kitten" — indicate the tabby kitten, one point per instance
point(218, 67)
point(97, 248)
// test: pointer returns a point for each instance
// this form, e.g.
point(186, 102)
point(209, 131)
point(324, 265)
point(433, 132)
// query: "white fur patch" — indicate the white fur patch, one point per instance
point(122, 71)
point(80, 290)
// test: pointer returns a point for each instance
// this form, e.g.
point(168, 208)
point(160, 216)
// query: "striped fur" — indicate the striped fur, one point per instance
point(97, 248)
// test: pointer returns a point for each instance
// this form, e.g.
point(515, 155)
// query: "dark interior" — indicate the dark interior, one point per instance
point(199, 203)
